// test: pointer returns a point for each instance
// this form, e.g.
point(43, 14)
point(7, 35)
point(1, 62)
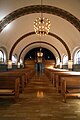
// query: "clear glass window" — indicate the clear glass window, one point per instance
point(77, 57)
point(1, 56)
point(14, 59)
point(21, 62)
point(57, 61)
point(65, 60)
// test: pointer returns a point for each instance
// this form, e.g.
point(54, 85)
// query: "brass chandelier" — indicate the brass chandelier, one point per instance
point(41, 24)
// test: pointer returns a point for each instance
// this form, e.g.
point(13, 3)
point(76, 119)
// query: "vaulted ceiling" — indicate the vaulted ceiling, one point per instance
point(16, 26)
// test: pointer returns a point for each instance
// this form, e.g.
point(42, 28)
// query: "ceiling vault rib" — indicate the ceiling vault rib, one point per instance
point(39, 42)
point(31, 33)
point(62, 41)
point(37, 9)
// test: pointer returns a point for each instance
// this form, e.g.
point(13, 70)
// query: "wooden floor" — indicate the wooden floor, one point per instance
point(40, 101)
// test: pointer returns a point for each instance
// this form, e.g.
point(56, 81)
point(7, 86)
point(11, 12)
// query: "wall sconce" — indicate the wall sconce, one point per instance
point(9, 64)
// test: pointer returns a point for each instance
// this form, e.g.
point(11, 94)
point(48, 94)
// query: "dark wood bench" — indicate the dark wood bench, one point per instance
point(9, 86)
point(27, 73)
point(23, 74)
point(52, 72)
point(70, 87)
point(67, 82)
point(15, 75)
point(13, 81)
point(69, 75)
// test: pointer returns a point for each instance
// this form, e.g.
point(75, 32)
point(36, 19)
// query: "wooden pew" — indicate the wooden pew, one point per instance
point(23, 74)
point(52, 72)
point(70, 87)
point(11, 81)
point(9, 86)
point(69, 74)
point(14, 75)
point(27, 72)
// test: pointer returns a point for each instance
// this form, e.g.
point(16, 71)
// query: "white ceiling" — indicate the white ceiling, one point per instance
point(24, 24)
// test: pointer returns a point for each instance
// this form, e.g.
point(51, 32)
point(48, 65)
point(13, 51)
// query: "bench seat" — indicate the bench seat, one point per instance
point(70, 87)
point(9, 85)
point(7, 91)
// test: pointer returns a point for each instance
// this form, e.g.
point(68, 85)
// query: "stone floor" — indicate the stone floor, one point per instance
point(40, 101)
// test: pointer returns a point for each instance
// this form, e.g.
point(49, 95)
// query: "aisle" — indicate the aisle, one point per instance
point(40, 102)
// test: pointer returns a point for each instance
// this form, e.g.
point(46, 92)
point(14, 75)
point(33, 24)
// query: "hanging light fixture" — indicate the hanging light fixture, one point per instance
point(41, 24)
point(40, 53)
point(40, 56)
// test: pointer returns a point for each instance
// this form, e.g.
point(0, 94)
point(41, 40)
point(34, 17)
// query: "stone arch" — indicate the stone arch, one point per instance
point(31, 33)
point(40, 42)
point(37, 9)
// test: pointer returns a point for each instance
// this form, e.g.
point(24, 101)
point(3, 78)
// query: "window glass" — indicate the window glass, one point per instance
point(65, 60)
point(14, 59)
point(77, 57)
point(1, 56)
point(58, 61)
point(21, 62)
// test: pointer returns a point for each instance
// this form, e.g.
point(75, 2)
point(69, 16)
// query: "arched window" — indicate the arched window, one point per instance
point(21, 61)
point(65, 60)
point(77, 57)
point(57, 61)
point(14, 59)
point(1, 56)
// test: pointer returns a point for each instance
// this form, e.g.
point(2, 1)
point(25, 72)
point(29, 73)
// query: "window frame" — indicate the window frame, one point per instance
point(77, 57)
point(65, 58)
point(2, 58)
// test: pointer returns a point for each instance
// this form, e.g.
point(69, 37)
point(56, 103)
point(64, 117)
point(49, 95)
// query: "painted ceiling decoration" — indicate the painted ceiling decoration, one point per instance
point(37, 9)
point(51, 34)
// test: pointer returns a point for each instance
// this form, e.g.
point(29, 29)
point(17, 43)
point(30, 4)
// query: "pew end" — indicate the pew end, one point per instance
point(70, 87)
point(9, 86)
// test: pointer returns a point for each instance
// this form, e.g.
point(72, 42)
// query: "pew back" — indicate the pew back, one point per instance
point(70, 86)
point(9, 86)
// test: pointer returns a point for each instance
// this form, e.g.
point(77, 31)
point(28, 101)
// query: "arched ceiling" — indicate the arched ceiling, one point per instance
point(29, 34)
point(41, 46)
point(65, 23)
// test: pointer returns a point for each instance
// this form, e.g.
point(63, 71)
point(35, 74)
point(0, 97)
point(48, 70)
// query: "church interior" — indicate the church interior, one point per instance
point(40, 59)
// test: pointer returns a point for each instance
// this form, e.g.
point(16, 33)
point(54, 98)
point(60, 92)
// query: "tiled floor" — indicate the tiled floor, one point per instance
point(39, 102)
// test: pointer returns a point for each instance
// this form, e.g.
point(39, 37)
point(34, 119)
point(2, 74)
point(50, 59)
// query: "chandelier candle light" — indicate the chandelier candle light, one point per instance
point(41, 24)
